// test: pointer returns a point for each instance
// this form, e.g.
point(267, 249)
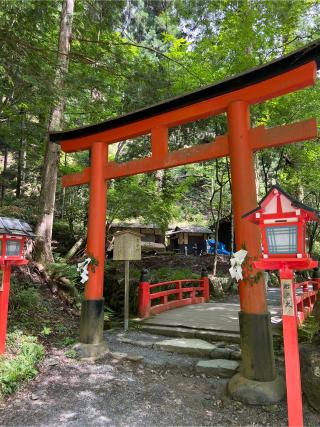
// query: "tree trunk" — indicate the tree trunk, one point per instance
point(43, 251)
point(21, 167)
point(4, 172)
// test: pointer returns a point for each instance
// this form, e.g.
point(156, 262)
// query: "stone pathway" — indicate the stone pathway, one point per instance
point(137, 384)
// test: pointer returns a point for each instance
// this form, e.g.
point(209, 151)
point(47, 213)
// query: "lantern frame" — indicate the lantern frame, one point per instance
point(13, 230)
point(278, 210)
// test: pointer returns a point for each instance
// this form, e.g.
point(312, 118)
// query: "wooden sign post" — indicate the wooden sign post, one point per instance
point(127, 247)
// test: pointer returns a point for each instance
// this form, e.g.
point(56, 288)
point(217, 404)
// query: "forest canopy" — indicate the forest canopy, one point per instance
point(127, 54)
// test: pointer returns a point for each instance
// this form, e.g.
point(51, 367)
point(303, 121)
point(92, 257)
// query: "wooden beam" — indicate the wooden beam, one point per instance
point(260, 138)
point(159, 141)
point(286, 134)
point(198, 153)
point(290, 81)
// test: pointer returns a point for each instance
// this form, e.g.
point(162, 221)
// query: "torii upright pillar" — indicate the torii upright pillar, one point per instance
point(92, 311)
point(255, 323)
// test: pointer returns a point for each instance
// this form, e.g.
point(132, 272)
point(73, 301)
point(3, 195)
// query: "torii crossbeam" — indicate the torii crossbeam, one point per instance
point(233, 96)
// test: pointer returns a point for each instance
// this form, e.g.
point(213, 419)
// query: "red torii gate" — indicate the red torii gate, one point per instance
point(233, 96)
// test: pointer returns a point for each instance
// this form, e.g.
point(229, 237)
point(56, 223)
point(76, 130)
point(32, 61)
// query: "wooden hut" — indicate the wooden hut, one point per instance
point(188, 240)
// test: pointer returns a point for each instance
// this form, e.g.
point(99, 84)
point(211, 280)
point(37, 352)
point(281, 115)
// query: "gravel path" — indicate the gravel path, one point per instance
point(115, 392)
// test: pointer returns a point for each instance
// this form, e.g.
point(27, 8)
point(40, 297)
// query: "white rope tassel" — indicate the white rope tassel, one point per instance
point(236, 261)
point(83, 268)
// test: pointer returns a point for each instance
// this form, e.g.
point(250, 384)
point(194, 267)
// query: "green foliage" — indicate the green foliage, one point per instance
point(60, 268)
point(20, 362)
point(309, 331)
point(24, 300)
point(165, 274)
point(32, 312)
point(131, 55)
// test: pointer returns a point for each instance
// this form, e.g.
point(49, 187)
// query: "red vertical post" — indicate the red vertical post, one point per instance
point(255, 325)
point(97, 221)
point(205, 284)
point(179, 289)
point(4, 302)
point(92, 311)
point(291, 348)
point(144, 295)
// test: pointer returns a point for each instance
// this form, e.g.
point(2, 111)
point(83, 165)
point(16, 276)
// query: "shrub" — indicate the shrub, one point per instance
point(20, 362)
point(24, 299)
point(60, 269)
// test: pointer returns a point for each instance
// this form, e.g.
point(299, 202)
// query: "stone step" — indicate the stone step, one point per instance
point(208, 335)
point(199, 348)
point(217, 367)
point(191, 346)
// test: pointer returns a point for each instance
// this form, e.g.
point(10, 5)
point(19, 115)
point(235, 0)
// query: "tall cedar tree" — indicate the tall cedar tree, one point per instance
point(43, 251)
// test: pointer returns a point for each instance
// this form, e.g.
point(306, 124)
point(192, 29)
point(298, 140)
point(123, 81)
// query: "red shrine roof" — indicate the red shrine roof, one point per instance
point(268, 205)
point(308, 53)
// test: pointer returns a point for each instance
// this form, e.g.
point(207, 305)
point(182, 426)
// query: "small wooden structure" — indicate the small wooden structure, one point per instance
point(188, 240)
point(127, 247)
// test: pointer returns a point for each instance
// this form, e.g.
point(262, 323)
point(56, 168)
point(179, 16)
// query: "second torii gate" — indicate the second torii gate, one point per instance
point(233, 96)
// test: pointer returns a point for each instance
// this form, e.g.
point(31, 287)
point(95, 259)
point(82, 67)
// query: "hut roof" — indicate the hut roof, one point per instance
point(191, 229)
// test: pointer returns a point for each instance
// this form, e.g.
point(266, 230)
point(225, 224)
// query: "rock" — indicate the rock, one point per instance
point(256, 392)
point(218, 336)
point(220, 353)
point(51, 362)
point(217, 367)
point(194, 347)
point(34, 397)
point(235, 355)
point(119, 356)
point(135, 358)
point(148, 344)
point(310, 373)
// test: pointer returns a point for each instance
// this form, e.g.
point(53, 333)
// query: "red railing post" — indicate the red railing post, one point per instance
point(291, 348)
point(144, 295)
point(205, 282)
point(179, 289)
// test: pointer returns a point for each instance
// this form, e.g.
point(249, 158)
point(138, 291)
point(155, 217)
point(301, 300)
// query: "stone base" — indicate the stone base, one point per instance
point(91, 351)
point(256, 392)
point(256, 347)
point(92, 321)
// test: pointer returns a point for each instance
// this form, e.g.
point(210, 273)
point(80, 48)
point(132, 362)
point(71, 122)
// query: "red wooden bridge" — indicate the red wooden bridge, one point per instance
point(167, 298)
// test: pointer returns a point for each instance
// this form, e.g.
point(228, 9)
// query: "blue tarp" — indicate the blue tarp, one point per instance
point(211, 243)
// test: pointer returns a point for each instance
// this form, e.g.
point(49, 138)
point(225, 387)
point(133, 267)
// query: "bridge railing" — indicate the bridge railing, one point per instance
point(158, 297)
point(306, 297)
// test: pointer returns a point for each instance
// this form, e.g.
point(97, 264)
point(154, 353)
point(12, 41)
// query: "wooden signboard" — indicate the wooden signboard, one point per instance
point(127, 246)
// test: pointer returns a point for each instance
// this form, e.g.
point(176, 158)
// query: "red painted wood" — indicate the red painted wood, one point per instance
point(4, 301)
point(292, 361)
point(162, 159)
point(157, 309)
point(97, 222)
point(144, 300)
point(290, 81)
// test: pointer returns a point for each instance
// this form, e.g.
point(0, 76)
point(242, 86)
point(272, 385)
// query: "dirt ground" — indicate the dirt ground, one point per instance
point(123, 393)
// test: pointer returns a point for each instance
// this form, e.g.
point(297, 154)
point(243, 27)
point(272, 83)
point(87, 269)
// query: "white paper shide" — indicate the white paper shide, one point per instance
point(236, 262)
